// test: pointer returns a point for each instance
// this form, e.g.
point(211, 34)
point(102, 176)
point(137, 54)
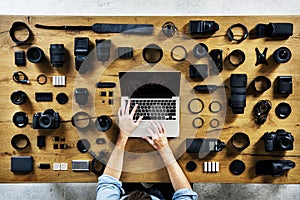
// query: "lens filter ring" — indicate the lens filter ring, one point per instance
point(194, 101)
point(81, 120)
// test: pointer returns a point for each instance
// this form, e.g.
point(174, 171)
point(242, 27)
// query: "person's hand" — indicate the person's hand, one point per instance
point(159, 139)
point(126, 123)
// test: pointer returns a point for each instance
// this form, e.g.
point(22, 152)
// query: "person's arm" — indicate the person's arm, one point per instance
point(160, 142)
point(127, 125)
point(115, 163)
point(109, 186)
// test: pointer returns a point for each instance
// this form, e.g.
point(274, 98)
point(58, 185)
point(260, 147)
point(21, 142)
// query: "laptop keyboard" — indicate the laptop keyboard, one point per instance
point(158, 109)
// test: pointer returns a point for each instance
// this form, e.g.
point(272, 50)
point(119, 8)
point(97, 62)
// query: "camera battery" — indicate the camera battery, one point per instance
point(20, 58)
point(284, 85)
point(80, 165)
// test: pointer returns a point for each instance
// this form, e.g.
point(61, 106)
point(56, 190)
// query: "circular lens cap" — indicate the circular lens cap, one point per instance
point(83, 145)
point(20, 119)
point(283, 110)
point(191, 166)
point(62, 98)
point(237, 167)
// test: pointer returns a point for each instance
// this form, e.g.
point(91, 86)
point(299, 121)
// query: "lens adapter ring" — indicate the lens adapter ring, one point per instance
point(76, 118)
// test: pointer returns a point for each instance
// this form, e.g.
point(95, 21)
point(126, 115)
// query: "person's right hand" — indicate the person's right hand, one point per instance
point(159, 139)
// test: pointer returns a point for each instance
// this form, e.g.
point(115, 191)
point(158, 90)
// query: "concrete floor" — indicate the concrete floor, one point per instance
point(86, 191)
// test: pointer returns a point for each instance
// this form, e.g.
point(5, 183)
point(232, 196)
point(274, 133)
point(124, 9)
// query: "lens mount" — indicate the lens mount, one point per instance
point(46, 121)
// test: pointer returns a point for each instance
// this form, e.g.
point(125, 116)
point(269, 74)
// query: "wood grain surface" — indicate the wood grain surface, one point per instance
point(142, 163)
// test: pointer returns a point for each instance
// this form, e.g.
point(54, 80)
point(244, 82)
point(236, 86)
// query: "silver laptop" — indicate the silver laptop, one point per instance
point(157, 94)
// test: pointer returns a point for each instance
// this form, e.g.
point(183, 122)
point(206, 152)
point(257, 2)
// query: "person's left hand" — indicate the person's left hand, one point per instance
point(126, 123)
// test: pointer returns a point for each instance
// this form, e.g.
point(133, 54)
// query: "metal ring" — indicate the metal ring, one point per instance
point(17, 138)
point(86, 117)
point(211, 123)
point(190, 102)
point(181, 47)
point(210, 107)
point(194, 122)
point(19, 26)
point(239, 54)
point(230, 34)
point(39, 77)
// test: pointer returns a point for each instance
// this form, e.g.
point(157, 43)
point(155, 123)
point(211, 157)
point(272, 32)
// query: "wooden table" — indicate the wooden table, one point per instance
point(138, 168)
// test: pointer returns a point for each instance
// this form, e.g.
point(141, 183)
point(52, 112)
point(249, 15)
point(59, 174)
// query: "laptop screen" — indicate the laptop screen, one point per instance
point(149, 84)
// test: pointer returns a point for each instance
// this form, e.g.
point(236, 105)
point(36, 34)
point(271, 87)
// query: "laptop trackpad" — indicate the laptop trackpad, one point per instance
point(142, 131)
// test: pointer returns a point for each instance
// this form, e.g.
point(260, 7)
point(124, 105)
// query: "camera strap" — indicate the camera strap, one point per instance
point(146, 29)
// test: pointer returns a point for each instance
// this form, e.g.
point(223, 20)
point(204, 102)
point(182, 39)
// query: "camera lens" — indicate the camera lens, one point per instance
point(20, 119)
point(18, 97)
point(46, 121)
point(35, 54)
point(57, 55)
point(282, 55)
point(103, 123)
point(285, 142)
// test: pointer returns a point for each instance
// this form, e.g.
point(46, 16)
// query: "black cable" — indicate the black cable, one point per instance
point(261, 111)
point(20, 77)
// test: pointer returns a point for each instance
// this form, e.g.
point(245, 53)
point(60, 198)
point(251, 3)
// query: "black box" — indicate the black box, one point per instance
point(22, 164)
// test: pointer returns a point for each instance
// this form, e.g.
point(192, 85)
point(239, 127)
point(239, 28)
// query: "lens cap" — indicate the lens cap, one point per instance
point(83, 145)
point(237, 167)
point(103, 123)
point(191, 166)
point(20, 119)
point(18, 97)
point(62, 98)
point(282, 55)
point(283, 110)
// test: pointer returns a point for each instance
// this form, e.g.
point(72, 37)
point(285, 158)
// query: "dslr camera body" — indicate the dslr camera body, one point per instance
point(278, 141)
point(49, 119)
